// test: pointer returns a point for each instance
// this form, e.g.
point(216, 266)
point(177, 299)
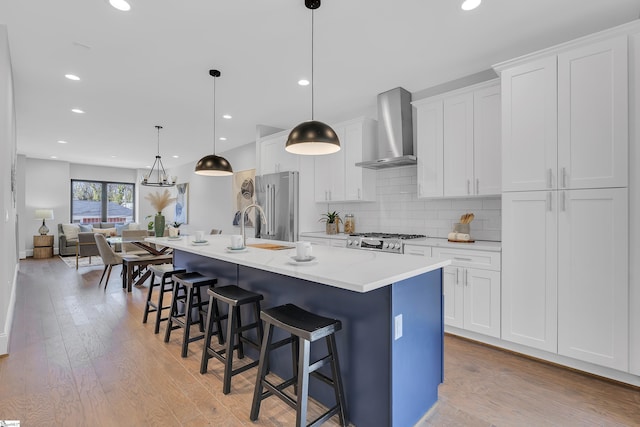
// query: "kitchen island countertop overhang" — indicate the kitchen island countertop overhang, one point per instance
point(358, 271)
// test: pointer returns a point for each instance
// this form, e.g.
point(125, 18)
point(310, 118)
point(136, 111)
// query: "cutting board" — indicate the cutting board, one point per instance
point(270, 246)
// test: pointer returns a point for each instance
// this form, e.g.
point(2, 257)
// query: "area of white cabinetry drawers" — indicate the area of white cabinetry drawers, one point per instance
point(470, 258)
point(417, 250)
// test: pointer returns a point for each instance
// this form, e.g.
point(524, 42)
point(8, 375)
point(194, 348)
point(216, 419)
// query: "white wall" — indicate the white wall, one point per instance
point(8, 202)
point(397, 209)
point(48, 185)
point(210, 203)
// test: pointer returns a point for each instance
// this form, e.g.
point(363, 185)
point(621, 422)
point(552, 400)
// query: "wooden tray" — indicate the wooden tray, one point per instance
point(270, 246)
point(461, 241)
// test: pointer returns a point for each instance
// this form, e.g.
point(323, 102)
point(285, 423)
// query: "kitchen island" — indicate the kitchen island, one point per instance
point(390, 306)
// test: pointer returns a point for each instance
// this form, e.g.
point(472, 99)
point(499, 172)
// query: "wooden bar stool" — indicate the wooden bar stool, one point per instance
point(304, 327)
point(190, 284)
point(164, 273)
point(235, 297)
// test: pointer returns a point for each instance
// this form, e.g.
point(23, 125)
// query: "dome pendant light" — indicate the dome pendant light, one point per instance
point(213, 165)
point(162, 179)
point(312, 137)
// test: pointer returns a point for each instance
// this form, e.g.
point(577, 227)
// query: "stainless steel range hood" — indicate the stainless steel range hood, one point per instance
point(395, 131)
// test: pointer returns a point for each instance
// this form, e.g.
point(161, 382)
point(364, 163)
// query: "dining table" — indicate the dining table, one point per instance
point(134, 271)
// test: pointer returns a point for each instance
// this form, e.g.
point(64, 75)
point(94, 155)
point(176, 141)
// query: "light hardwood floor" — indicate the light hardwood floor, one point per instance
point(82, 357)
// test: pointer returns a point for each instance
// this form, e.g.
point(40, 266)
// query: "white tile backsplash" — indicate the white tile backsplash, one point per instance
point(398, 210)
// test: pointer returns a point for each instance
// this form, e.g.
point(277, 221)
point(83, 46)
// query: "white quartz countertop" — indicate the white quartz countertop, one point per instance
point(479, 245)
point(359, 271)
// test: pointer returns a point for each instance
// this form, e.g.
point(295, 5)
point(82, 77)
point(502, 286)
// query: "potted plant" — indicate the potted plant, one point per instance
point(174, 229)
point(159, 202)
point(332, 221)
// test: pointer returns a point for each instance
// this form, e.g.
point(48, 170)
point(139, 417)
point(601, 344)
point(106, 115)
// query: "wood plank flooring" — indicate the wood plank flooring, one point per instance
point(82, 357)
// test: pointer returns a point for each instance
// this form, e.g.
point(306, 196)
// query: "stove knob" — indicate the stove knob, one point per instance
point(349, 242)
point(387, 245)
point(397, 246)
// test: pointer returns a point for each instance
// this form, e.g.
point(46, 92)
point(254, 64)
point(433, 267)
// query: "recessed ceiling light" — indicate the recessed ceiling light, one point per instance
point(113, 157)
point(303, 82)
point(77, 110)
point(120, 5)
point(53, 157)
point(72, 77)
point(176, 157)
point(226, 116)
point(470, 4)
point(62, 142)
point(148, 167)
point(222, 138)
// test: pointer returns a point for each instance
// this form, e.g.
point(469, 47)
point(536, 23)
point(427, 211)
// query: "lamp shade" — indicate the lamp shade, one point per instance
point(312, 138)
point(43, 214)
point(213, 165)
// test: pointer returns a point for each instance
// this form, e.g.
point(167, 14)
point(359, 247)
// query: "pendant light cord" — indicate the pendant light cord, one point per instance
point(214, 115)
point(312, 89)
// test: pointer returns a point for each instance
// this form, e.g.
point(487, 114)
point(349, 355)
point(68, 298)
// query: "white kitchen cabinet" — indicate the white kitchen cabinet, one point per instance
point(329, 175)
point(430, 148)
point(529, 269)
point(337, 179)
point(487, 141)
point(418, 250)
point(593, 283)
point(472, 290)
point(272, 156)
point(593, 116)
point(458, 142)
point(564, 119)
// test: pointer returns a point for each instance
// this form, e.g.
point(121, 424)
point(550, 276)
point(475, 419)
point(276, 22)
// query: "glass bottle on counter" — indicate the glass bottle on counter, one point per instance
point(349, 224)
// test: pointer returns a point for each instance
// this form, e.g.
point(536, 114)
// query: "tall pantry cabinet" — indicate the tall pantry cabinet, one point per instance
point(565, 215)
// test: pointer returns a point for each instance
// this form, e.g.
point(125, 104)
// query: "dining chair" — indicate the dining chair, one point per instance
point(86, 246)
point(109, 257)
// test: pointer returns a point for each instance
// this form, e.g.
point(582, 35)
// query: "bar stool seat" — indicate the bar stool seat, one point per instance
point(190, 284)
point(235, 297)
point(308, 327)
point(164, 273)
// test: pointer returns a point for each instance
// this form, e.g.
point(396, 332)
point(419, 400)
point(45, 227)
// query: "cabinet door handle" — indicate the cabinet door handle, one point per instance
point(468, 186)
point(564, 177)
point(477, 186)
point(564, 201)
point(358, 194)
point(466, 277)
point(549, 178)
point(549, 207)
point(457, 276)
point(462, 259)
point(329, 194)
point(420, 189)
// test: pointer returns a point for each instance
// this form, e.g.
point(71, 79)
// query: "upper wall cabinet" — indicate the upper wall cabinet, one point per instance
point(272, 157)
point(459, 142)
point(565, 119)
point(337, 179)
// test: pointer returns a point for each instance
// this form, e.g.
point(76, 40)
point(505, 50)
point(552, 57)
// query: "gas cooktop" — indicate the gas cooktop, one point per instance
point(385, 242)
point(389, 235)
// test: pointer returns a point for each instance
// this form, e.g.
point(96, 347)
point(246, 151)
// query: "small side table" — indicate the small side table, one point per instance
point(42, 246)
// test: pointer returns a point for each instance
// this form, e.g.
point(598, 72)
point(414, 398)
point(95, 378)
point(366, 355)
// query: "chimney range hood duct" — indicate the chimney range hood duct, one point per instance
point(395, 131)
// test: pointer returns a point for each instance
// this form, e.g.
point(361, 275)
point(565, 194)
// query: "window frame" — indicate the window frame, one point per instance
point(104, 198)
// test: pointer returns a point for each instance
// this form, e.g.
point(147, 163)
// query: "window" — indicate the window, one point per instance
point(98, 201)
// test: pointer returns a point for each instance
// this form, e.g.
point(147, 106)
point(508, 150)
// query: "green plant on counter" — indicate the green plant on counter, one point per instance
point(331, 218)
point(175, 224)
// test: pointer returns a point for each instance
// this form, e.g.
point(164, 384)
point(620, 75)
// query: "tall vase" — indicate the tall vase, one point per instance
point(158, 225)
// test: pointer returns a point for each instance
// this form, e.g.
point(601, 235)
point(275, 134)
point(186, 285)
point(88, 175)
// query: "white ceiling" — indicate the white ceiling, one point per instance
point(150, 66)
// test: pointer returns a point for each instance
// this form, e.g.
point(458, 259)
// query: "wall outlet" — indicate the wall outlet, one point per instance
point(398, 326)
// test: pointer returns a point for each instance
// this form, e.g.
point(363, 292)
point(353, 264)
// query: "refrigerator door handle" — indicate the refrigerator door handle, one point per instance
point(271, 209)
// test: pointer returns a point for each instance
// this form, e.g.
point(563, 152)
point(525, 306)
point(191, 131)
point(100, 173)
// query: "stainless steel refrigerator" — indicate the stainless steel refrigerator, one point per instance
point(277, 195)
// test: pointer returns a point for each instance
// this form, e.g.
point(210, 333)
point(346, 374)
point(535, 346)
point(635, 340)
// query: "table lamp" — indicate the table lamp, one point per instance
point(44, 214)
